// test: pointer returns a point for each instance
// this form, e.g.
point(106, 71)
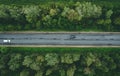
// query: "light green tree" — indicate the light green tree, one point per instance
point(53, 12)
point(109, 14)
point(34, 61)
point(31, 13)
point(87, 9)
point(71, 14)
point(82, 10)
point(52, 59)
point(69, 58)
point(15, 12)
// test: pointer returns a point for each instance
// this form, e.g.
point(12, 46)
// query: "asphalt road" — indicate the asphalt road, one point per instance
point(110, 39)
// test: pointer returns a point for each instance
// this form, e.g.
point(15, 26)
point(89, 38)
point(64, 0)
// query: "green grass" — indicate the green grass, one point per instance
point(60, 50)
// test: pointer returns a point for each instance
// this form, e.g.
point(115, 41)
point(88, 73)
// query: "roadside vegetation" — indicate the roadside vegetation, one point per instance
point(53, 15)
point(59, 15)
point(29, 61)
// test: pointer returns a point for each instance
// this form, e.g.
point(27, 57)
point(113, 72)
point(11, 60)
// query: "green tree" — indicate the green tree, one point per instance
point(27, 61)
point(3, 61)
point(117, 21)
point(88, 71)
point(52, 59)
point(4, 11)
point(4, 57)
point(71, 70)
point(39, 73)
point(90, 59)
point(10, 27)
point(48, 72)
point(62, 72)
point(3, 50)
point(31, 13)
point(107, 24)
point(109, 14)
point(25, 73)
point(15, 12)
point(15, 61)
point(34, 61)
point(107, 21)
point(100, 22)
point(38, 25)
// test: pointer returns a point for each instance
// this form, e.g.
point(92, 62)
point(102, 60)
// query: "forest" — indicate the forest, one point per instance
point(78, 15)
point(19, 61)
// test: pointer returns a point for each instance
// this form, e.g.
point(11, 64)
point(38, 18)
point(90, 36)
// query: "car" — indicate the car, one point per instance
point(6, 41)
point(72, 36)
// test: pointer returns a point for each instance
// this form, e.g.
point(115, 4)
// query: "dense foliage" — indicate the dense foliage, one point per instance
point(71, 16)
point(59, 61)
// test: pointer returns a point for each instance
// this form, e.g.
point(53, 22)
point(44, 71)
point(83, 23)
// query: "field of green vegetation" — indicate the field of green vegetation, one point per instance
point(19, 61)
point(59, 15)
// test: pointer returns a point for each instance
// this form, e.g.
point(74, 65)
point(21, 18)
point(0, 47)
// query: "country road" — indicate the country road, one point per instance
point(86, 39)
